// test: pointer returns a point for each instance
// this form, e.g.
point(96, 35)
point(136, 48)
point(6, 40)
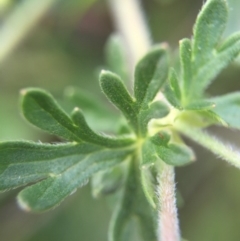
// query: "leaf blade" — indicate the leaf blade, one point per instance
point(41, 110)
point(150, 74)
point(25, 162)
point(114, 89)
point(172, 153)
point(208, 29)
point(53, 190)
point(87, 134)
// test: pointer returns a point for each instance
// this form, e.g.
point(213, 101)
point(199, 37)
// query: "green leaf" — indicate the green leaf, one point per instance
point(63, 168)
point(107, 182)
point(228, 108)
point(172, 90)
point(171, 96)
point(229, 42)
point(208, 29)
point(200, 105)
point(148, 159)
point(40, 109)
point(172, 154)
point(201, 118)
point(116, 92)
point(212, 117)
point(133, 207)
point(186, 64)
point(87, 134)
point(25, 162)
point(208, 72)
point(156, 110)
point(148, 186)
point(150, 75)
point(149, 155)
point(174, 83)
point(117, 56)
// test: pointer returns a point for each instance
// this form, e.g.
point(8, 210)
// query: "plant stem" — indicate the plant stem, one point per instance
point(130, 23)
point(168, 219)
point(25, 15)
point(222, 150)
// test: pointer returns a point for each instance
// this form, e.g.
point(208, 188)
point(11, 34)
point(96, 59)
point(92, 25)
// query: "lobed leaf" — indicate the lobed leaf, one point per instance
point(150, 75)
point(208, 29)
point(87, 134)
point(208, 72)
point(60, 169)
point(228, 108)
point(25, 162)
point(114, 89)
point(41, 110)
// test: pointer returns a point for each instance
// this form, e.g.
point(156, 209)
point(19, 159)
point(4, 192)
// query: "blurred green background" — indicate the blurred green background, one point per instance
point(65, 47)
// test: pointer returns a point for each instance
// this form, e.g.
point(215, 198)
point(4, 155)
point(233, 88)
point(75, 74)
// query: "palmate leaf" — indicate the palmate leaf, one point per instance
point(60, 169)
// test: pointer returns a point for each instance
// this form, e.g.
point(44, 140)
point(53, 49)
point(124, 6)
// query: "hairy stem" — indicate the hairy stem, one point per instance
point(222, 150)
point(168, 219)
point(130, 22)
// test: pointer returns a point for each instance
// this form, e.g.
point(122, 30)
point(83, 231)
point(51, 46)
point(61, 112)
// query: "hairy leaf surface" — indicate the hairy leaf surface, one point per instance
point(60, 168)
point(150, 75)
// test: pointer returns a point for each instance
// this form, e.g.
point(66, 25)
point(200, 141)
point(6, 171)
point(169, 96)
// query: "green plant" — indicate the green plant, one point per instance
point(139, 159)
